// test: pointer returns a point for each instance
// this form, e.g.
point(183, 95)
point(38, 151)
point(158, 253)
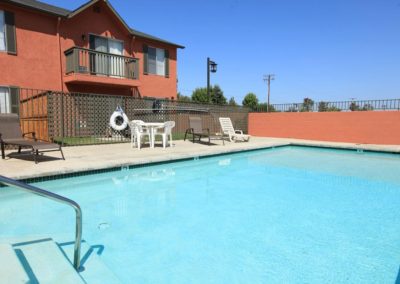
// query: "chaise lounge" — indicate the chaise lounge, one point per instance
point(197, 130)
point(11, 134)
point(228, 130)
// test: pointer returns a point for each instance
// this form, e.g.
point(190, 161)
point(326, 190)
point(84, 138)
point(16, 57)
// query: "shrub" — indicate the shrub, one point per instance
point(307, 105)
point(250, 100)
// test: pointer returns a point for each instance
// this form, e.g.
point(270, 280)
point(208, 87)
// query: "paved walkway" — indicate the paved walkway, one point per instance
point(95, 157)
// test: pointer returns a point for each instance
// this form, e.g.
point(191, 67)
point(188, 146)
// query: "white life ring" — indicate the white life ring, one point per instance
point(113, 120)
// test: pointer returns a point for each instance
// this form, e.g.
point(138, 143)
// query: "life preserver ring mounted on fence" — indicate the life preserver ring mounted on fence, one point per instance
point(118, 120)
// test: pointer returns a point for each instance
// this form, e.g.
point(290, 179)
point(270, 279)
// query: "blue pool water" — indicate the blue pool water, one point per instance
point(284, 215)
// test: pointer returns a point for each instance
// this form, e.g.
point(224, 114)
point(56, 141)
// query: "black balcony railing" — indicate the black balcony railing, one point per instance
point(311, 106)
point(88, 61)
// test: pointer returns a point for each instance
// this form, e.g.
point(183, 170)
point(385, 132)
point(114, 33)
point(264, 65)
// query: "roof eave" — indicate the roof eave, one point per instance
point(22, 5)
point(150, 37)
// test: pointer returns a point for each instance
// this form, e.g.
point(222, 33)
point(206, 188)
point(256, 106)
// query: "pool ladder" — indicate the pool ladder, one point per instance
point(57, 198)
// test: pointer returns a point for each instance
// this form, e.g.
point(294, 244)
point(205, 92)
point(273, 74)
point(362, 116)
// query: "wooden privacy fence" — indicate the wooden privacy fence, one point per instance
point(33, 112)
point(78, 118)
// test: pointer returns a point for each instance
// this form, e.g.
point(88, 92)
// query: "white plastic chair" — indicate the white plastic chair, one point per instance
point(168, 125)
point(228, 130)
point(143, 128)
point(138, 132)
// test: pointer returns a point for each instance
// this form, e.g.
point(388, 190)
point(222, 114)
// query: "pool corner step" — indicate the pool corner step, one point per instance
point(94, 269)
point(11, 269)
point(44, 262)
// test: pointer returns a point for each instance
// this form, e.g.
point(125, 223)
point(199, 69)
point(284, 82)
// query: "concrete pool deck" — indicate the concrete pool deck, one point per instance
point(98, 157)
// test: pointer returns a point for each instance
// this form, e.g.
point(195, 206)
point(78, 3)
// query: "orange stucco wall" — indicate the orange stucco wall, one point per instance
point(37, 63)
point(40, 60)
point(155, 85)
point(369, 127)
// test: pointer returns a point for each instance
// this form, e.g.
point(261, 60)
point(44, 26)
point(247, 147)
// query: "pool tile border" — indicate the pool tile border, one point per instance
point(191, 157)
point(346, 148)
point(140, 165)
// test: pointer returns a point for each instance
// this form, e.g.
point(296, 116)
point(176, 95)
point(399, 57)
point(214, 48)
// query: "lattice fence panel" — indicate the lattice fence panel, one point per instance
point(77, 119)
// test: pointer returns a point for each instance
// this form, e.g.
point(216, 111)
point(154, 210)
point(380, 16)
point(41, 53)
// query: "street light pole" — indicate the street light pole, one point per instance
point(208, 79)
point(211, 67)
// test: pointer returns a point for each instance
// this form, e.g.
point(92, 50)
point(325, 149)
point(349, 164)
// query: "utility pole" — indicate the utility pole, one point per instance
point(268, 78)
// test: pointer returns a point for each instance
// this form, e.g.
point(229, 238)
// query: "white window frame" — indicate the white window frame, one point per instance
point(5, 103)
point(159, 65)
point(4, 41)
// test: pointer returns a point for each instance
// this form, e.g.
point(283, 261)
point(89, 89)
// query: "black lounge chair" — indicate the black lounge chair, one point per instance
point(197, 130)
point(11, 134)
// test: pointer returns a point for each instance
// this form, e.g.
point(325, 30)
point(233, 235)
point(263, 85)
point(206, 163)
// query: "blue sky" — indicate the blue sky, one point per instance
point(323, 49)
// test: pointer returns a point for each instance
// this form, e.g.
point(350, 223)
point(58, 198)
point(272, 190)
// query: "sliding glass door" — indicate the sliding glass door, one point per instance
point(103, 61)
point(117, 65)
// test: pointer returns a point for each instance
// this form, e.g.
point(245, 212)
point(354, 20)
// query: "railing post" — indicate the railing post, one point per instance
point(78, 238)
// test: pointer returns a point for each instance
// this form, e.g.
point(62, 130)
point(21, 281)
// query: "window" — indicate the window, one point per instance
point(7, 32)
point(9, 99)
point(5, 100)
point(160, 61)
point(155, 61)
point(2, 32)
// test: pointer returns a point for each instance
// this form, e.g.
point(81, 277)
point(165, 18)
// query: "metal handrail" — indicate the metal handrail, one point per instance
point(58, 198)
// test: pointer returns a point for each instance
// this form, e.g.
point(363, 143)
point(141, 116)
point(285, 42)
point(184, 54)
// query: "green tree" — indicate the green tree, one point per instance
point(217, 95)
point(307, 105)
point(354, 106)
point(323, 106)
point(199, 95)
point(183, 98)
point(232, 102)
point(333, 108)
point(367, 107)
point(293, 108)
point(250, 100)
point(263, 107)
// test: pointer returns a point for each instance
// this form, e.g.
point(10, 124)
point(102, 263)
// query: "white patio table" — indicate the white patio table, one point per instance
point(152, 126)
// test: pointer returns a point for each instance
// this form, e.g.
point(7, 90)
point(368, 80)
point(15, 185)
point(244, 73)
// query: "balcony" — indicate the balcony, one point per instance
point(89, 66)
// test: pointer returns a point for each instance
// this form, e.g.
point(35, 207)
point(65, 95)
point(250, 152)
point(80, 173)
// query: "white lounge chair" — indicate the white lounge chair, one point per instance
point(168, 125)
point(138, 132)
point(228, 130)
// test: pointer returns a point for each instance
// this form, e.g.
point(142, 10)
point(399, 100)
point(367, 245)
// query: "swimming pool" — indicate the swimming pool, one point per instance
point(284, 215)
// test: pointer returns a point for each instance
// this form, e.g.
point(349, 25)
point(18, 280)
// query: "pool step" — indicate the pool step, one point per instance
point(11, 269)
point(41, 261)
point(94, 269)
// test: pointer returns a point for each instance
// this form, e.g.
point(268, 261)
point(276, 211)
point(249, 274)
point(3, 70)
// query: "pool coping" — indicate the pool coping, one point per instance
point(167, 160)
